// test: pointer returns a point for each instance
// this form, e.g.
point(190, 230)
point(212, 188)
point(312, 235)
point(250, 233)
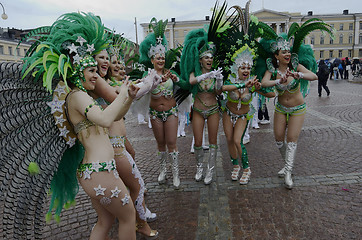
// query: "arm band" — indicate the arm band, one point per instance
point(87, 109)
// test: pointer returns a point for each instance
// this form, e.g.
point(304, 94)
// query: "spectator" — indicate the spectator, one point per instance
point(335, 71)
point(323, 73)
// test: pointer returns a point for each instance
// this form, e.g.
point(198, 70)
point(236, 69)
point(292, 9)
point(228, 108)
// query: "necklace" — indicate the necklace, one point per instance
point(282, 74)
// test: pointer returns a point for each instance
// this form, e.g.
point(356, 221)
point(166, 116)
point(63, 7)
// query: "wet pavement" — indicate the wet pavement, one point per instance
point(324, 204)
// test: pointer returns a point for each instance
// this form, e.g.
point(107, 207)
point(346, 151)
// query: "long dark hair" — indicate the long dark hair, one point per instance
point(275, 62)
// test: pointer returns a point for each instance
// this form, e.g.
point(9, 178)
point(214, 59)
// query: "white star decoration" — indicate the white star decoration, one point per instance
point(96, 166)
point(76, 59)
point(159, 39)
point(239, 41)
point(125, 200)
point(99, 190)
point(60, 90)
point(59, 120)
point(81, 40)
point(63, 131)
point(71, 141)
point(90, 48)
point(56, 105)
point(87, 173)
point(72, 48)
point(115, 192)
point(109, 166)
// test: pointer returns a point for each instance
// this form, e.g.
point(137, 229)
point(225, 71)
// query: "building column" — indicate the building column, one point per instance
point(278, 28)
point(356, 31)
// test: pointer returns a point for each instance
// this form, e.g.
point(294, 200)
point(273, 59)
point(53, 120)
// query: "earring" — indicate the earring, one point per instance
point(278, 62)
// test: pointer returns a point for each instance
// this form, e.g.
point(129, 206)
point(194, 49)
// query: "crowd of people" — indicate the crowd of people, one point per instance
point(78, 52)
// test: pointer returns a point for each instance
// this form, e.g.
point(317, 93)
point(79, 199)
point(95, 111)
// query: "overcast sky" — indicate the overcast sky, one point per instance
point(120, 14)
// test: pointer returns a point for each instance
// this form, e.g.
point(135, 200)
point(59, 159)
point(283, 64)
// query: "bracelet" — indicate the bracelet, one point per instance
point(300, 75)
point(277, 82)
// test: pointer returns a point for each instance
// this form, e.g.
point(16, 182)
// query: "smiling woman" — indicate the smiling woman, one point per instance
point(70, 141)
point(90, 75)
point(162, 109)
point(205, 85)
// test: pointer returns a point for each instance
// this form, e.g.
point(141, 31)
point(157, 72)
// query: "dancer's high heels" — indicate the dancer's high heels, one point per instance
point(153, 233)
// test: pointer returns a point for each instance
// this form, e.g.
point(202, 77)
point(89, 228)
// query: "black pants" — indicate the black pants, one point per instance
point(323, 83)
point(263, 112)
point(345, 74)
point(341, 73)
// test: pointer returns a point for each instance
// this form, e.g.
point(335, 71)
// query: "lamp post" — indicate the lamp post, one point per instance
point(3, 16)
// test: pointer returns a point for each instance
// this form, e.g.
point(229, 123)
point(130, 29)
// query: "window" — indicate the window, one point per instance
point(167, 34)
point(185, 32)
point(350, 38)
point(330, 53)
point(341, 27)
point(312, 40)
point(330, 40)
point(360, 38)
point(350, 26)
point(332, 25)
point(1, 49)
point(18, 52)
point(10, 50)
point(321, 54)
point(25, 50)
point(322, 40)
point(350, 53)
point(360, 53)
point(176, 34)
point(360, 25)
point(341, 39)
point(339, 53)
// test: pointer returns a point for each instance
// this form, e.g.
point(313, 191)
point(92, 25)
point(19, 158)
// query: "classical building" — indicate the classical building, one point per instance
point(9, 49)
point(348, 34)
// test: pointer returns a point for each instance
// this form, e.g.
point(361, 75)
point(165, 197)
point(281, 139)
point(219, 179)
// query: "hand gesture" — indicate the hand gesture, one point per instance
point(249, 83)
point(217, 73)
point(257, 85)
point(156, 79)
point(292, 74)
point(170, 75)
point(132, 91)
point(122, 90)
point(284, 78)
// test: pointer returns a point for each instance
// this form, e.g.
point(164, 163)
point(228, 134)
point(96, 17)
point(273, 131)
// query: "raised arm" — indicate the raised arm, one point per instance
point(86, 106)
point(304, 73)
point(104, 90)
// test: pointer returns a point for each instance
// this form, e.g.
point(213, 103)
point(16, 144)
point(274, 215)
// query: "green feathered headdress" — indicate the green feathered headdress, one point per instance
point(154, 43)
point(72, 37)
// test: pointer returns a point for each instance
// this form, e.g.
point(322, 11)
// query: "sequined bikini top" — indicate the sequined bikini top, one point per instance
point(234, 96)
point(208, 85)
point(163, 89)
point(291, 87)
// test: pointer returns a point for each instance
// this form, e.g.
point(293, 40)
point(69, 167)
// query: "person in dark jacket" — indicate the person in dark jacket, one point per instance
point(323, 73)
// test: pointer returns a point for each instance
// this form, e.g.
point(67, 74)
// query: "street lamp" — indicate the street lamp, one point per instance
point(3, 16)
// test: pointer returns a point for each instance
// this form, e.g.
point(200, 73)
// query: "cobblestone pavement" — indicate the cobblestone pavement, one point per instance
point(324, 204)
